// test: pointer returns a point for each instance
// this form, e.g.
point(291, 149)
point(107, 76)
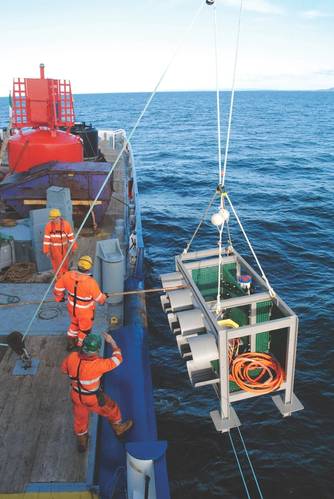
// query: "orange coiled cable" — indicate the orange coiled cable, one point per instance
point(269, 375)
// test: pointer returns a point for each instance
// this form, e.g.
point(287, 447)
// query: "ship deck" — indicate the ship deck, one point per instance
point(37, 443)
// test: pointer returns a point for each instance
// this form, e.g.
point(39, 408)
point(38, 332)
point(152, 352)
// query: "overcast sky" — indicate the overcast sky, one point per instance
point(124, 45)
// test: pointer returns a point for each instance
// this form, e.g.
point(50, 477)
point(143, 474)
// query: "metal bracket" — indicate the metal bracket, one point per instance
point(225, 424)
point(19, 370)
point(287, 409)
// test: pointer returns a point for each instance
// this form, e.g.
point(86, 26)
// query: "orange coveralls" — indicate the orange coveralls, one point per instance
point(88, 369)
point(58, 235)
point(82, 293)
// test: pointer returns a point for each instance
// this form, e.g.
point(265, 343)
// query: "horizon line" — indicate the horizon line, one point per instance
point(204, 90)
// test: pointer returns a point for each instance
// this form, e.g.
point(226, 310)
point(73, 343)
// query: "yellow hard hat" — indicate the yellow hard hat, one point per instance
point(85, 262)
point(54, 213)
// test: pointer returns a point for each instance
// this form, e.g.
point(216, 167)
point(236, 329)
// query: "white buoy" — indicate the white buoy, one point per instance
point(219, 218)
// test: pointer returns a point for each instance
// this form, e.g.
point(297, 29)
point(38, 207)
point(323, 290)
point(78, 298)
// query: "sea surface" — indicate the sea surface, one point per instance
point(280, 177)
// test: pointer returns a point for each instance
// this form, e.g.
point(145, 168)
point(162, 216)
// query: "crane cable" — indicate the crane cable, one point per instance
point(239, 465)
point(126, 141)
point(221, 173)
point(217, 95)
point(200, 223)
point(250, 464)
point(218, 305)
point(236, 57)
point(235, 452)
point(263, 275)
point(222, 176)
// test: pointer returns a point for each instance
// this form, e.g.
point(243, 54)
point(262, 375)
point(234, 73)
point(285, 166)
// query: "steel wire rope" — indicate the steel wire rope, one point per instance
point(126, 141)
point(217, 95)
point(229, 239)
point(222, 176)
point(271, 291)
point(218, 306)
point(250, 464)
point(239, 465)
point(236, 57)
point(200, 222)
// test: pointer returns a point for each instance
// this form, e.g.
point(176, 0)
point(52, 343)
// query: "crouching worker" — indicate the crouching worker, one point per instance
point(85, 369)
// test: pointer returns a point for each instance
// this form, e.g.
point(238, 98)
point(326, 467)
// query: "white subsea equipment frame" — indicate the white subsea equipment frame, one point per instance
point(201, 340)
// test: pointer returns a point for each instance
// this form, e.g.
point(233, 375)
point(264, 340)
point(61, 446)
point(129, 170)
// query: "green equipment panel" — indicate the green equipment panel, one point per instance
point(206, 279)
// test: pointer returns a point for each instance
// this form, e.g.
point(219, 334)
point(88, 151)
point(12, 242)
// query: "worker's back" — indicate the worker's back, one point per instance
point(89, 369)
point(82, 289)
point(82, 293)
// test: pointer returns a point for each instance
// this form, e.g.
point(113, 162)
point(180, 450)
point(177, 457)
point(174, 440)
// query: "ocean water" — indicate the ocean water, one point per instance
point(280, 178)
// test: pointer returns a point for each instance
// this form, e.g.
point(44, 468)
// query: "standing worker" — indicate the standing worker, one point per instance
point(58, 236)
point(82, 293)
point(85, 368)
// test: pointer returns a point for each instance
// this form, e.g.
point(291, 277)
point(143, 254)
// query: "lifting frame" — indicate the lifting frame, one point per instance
point(226, 417)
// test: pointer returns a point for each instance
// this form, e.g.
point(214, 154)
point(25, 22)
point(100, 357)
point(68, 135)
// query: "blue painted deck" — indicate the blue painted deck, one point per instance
point(18, 318)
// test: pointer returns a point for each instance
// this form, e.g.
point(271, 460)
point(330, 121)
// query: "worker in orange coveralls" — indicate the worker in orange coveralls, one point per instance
point(85, 368)
point(82, 293)
point(58, 236)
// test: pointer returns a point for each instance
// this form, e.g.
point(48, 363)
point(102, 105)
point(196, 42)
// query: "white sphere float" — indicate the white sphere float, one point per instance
point(220, 217)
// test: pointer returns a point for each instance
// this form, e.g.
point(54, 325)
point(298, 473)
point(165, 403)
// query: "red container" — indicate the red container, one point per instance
point(30, 148)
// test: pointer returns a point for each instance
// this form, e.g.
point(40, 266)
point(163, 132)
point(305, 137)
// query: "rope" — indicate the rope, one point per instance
point(251, 465)
point(217, 97)
point(11, 299)
point(19, 272)
point(200, 223)
point(270, 289)
point(14, 301)
point(8, 222)
point(49, 312)
point(218, 305)
point(220, 258)
point(232, 95)
point(239, 466)
point(229, 239)
point(126, 141)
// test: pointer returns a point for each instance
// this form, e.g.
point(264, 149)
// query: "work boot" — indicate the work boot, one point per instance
point(82, 442)
point(71, 343)
point(121, 428)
